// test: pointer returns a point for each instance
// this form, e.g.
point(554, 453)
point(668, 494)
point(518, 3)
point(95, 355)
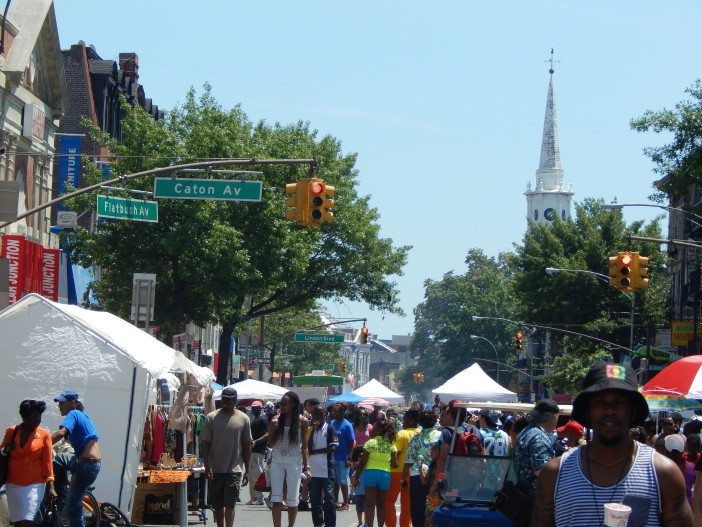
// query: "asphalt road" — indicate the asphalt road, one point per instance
point(260, 516)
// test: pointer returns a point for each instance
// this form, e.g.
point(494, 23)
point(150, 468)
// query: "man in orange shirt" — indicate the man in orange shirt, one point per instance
point(397, 485)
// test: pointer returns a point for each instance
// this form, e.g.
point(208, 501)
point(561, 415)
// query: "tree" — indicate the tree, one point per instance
point(680, 161)
point(444, 324)
point(580, 302)
point(209, 256)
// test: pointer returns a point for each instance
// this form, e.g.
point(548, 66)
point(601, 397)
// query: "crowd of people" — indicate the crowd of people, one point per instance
point(325, 459)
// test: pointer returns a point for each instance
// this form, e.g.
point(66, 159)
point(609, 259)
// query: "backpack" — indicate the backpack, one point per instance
point(468, 444)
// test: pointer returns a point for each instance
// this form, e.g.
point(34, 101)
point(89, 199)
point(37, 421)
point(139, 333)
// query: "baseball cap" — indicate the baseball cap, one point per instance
point(229, 393)
point(492, 416)
point(547, 406)
point(571, 427)
point(257, 404)
point(66, 395)
point(603, 377)
point(674, 442)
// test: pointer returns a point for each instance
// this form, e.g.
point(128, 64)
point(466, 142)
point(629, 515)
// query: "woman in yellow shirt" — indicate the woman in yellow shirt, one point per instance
point(379, 456)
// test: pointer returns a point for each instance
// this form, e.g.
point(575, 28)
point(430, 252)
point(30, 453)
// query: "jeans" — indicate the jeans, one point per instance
point(289, 473)
point(322, 502)
point(418, 500)
point(256, 467)
point(83, 475)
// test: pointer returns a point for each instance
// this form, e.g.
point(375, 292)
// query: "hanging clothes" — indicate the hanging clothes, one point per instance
point(158, 439)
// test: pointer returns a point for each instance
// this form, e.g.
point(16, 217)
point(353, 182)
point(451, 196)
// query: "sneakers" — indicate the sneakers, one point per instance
point(303, 506)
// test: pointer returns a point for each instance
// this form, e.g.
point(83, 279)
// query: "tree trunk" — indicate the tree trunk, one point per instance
point(225, 353)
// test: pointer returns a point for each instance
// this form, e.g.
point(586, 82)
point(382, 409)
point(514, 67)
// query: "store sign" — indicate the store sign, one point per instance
point(50, 274)
point(33, 118)
point(682, 332)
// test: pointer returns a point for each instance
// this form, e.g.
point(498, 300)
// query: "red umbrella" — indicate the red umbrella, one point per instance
point(682, 378)
point(369, 402)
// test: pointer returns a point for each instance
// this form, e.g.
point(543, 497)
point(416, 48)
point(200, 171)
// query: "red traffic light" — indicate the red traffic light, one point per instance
point(625, 259)
point(317, 188)
point(518, 335)
point(364, 335)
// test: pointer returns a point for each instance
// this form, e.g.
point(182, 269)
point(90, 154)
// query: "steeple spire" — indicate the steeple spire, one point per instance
point(550, 151)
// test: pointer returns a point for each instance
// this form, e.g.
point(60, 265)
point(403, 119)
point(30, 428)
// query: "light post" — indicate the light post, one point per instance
point(497, 358)
point(604, 278)
point(619, 206)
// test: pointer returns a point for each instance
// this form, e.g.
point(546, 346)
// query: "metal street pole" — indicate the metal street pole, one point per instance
point(497, 358)
point(618, 206)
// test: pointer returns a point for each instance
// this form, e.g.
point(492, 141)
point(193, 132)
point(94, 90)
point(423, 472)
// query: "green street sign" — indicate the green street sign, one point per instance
point(319, 338)
point(127, 209)
point(215, 189)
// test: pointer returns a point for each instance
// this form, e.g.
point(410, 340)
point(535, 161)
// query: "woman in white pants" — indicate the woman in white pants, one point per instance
point(286, 435)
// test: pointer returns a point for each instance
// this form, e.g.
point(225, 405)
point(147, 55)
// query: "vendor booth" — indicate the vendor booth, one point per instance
point(374, 388)
point(114, 366)
point(259, 390)
point(473, 384)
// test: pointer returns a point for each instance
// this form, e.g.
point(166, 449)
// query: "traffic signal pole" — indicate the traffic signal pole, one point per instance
point(631, 329)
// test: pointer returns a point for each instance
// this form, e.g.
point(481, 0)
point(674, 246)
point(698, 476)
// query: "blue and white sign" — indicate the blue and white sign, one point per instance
point(68, 164)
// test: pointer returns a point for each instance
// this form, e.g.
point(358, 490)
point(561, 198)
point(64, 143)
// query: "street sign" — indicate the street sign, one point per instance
point(319, 338)
point(127, 209)
point(263, 361)
point(67, 219)
point(143, 297)
point(216, 189)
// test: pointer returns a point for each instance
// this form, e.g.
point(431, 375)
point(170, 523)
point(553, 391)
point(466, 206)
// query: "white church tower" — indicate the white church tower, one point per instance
point(549, 199)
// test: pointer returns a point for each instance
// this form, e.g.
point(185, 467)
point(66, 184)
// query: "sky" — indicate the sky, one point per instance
point(443, 102)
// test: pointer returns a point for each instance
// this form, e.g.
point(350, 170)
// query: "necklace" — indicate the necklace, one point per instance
point(609, 464)
point(616, 486)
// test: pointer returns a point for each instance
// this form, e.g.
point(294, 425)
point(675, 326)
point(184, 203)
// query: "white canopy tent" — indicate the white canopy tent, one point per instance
point(473, 384)
point(253, 389)
point(49, 347)
point(374, 388)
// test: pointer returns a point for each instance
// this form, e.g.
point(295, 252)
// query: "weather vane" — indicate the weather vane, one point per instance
point(551, 62)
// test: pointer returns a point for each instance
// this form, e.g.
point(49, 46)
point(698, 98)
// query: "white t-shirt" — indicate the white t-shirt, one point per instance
point(319, 466)
point(495, 442)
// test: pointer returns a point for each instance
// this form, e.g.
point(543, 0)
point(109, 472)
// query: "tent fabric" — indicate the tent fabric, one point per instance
point(374, 388)
point(348, 397)
point(49, 347)
point(473, 384)
point(253, 389)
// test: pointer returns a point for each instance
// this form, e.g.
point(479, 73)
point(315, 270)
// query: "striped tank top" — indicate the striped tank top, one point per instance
point(579, 503)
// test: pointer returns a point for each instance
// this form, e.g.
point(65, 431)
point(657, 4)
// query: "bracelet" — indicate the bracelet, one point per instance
point(440, 476)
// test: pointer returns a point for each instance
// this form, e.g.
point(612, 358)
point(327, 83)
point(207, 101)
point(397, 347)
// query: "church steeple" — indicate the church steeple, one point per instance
point(549, 199)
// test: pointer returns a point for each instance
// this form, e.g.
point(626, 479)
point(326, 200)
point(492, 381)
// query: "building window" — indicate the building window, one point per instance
point(563, 214)
point(536, 214)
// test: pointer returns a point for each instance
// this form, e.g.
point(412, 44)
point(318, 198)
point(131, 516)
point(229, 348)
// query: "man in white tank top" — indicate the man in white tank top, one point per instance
point(612, 468)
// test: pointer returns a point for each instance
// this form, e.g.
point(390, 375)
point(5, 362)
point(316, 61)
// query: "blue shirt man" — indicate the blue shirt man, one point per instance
point(84, 463)
point(342, 453)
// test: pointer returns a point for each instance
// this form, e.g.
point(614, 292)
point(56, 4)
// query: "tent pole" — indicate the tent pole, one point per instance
point(129, 428)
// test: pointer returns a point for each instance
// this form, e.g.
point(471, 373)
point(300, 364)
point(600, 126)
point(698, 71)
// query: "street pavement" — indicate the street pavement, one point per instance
point(260, 516)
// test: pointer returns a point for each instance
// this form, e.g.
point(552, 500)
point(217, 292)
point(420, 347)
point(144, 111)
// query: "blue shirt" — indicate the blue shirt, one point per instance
point(533, 450)
point(344, 431)
point(80, 430)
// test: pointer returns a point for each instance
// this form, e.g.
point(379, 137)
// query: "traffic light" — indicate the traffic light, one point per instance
point(296, 201)
point(640, 271)
point(364, 335)
point(518, 343)
point(320, 202)
point(621, 269)
point(341, 366)
point(418, 377)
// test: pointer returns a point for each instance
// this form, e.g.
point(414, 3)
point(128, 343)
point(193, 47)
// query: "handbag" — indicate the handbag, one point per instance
point(5, 457)
point(513, 503)
point(261, 484)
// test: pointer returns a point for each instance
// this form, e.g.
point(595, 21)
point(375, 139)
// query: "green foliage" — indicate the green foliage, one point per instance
point(208, 256)
point(567, 371)
point(680, 161)
point(444, 324)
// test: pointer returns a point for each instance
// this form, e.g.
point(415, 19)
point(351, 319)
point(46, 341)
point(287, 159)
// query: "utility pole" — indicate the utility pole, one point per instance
point(261, 348)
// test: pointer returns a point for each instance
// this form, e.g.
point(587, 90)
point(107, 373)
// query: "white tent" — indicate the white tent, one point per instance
point(253, 389)
point(473, 384)
point(374, 388)
point(49, 347)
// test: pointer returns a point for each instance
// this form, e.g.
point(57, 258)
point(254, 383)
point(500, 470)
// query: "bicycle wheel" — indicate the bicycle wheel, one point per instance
point(111, 516)
point(91, 512)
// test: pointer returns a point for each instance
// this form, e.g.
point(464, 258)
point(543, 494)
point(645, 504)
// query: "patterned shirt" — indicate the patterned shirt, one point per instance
point(418, 449)
point(532, 451)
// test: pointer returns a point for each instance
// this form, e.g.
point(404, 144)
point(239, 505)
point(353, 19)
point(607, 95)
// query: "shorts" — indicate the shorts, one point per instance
point(224, 489)
point(341, 473)
point(376, 478)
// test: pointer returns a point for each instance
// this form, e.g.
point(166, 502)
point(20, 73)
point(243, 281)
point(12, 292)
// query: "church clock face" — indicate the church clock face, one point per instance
point(550, 214)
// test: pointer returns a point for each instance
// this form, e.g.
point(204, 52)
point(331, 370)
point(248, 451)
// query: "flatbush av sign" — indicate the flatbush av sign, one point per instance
point(216, 189)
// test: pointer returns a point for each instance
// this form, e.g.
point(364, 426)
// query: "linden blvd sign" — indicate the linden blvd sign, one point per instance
point(127, 209)
point(319, 338)
point(217, 189)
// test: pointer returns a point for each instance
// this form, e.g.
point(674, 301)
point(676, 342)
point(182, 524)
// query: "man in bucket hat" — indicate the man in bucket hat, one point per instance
point(612, 467)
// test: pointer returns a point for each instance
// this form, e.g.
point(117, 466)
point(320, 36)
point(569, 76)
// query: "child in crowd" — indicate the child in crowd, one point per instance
point(428, 476)
point(379, 455)
point(359, 491)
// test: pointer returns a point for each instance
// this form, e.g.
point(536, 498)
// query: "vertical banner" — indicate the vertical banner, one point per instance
point(13, 248)
point(50, 274)
point(68, 165)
